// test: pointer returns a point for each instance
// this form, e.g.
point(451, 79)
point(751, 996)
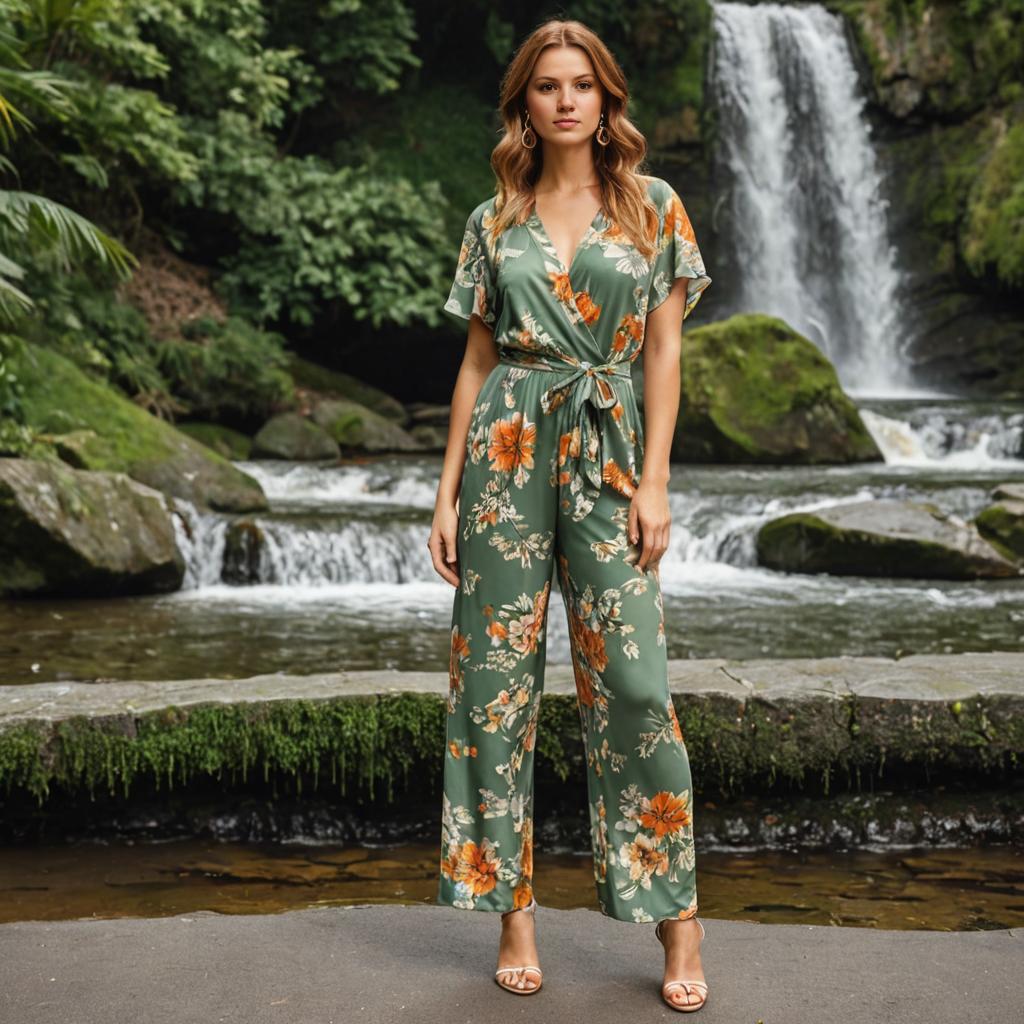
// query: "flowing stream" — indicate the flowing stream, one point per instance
point(343, 578)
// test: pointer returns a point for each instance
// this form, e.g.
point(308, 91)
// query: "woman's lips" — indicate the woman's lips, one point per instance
point(566, 123)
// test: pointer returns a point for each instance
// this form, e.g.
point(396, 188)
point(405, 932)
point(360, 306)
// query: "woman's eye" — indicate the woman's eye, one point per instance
point(586, 85)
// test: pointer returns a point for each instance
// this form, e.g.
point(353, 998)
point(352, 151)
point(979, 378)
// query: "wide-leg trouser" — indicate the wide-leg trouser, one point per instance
point(512, 537)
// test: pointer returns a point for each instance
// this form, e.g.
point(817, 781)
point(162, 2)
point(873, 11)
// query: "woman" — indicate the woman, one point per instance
point(574, 265)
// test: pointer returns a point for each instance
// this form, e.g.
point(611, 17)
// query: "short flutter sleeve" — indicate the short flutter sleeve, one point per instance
point(677, 254)
point(473, 290)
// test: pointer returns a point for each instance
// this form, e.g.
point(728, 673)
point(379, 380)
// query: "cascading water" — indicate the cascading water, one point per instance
point(806, 237)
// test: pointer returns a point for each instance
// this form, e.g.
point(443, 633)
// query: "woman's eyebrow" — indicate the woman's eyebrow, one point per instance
point(551, 78)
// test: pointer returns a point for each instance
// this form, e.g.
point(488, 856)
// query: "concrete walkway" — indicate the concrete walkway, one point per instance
point(377, 964)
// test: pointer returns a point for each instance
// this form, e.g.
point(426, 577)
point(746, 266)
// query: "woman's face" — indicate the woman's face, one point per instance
point(563, 88)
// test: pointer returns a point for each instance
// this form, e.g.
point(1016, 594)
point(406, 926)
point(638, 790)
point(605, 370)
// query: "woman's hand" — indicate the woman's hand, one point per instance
point(443, 533)
point(649, 519)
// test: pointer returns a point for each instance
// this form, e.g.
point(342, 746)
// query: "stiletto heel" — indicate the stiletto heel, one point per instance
point(685, 983)
point(532, 907)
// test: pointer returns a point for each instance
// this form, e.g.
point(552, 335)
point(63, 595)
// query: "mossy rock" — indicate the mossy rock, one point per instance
point(754, 390)
point(343, 385)
point(1003, 525)
point(354, 426)
point(881, 538)
point(93, 426)
point(232, 444)
point(292, 436)
point(75, 533)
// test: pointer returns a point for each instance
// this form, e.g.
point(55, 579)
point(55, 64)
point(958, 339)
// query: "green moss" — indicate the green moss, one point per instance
point(994, 233)
point(59, 398)
point(91, 425)
point(756, 390)
point(1003, 527)
point(232, 444)
point(375, 747)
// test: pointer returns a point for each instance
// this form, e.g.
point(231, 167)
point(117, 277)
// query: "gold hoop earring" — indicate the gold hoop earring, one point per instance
point(533, 134)
point(601, 128)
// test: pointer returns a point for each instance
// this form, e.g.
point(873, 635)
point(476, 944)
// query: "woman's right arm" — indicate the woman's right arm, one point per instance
point(480, 358)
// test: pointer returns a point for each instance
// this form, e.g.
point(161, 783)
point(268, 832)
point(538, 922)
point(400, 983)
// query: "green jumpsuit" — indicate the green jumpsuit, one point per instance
point(554, 451)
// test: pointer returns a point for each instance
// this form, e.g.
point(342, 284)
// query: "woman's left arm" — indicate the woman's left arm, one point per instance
point(649, 516)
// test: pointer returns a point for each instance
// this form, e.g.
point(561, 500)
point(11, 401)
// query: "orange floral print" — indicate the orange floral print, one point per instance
point(666, 813)
point(589, 310)
point(556, 437)
point(618, 478)
point(512, 443)
point(476, 867)
point(677, 731)
point(456, 678)
point(643, 859)
point(561, 286)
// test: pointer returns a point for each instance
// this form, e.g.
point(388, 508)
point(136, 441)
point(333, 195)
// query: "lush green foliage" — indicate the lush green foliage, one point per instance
point(994, 239)
point(181, 115)
point(222, 371)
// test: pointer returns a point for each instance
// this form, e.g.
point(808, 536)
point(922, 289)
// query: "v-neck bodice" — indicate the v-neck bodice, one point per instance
point(582, 324)
point(538, 225)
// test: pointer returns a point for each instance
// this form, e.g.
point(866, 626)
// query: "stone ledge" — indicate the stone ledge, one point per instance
point(919, 677)
point(756, 725)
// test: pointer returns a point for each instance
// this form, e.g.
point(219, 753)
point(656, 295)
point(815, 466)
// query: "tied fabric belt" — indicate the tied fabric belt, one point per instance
point(591, 392)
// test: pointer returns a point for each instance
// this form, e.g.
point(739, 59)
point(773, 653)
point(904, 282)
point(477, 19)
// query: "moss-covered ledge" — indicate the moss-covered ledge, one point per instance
point(816, 723)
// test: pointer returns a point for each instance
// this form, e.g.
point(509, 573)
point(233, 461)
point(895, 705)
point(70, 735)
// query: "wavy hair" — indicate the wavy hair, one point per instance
point(623, 192)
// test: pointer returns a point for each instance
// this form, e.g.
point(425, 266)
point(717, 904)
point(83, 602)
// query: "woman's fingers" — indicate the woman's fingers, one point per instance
point(443, 554)
point(655, 544)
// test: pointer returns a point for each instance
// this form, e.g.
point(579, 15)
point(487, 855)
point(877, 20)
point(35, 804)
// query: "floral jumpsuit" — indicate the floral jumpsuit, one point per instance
point(554, 451)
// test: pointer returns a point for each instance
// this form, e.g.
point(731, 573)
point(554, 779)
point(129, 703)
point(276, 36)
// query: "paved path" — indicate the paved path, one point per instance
point(384, 964)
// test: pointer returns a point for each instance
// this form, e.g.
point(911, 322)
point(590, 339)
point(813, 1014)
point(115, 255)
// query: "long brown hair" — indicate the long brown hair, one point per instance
point(623, 192)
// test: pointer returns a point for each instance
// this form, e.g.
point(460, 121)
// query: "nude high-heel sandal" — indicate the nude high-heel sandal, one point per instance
point(685, 983)
point(532, 907)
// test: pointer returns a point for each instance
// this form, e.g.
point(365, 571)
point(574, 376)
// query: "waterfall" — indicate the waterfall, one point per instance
point(806, 238)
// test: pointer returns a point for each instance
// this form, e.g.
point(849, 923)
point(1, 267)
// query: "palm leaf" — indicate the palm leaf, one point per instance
point(67, 234)
point(41, 89)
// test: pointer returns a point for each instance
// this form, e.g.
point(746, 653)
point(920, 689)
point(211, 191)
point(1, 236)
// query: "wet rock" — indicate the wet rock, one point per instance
point(754, 390)
point(881, 538)
point(90, 425)
point(1002, 523)
point(430, 437)
point(291, 436)
point(77, 532)
point(354, 426)
point(243, 543)
point(1008, 492)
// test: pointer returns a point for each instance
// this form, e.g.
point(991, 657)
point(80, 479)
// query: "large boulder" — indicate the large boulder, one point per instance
point(290, 435)
point(337, 384)
point(881, 538)
point(754, 390)
point(354, 426)
point(1002, 523)
point(77, 532)
point(92, 426)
